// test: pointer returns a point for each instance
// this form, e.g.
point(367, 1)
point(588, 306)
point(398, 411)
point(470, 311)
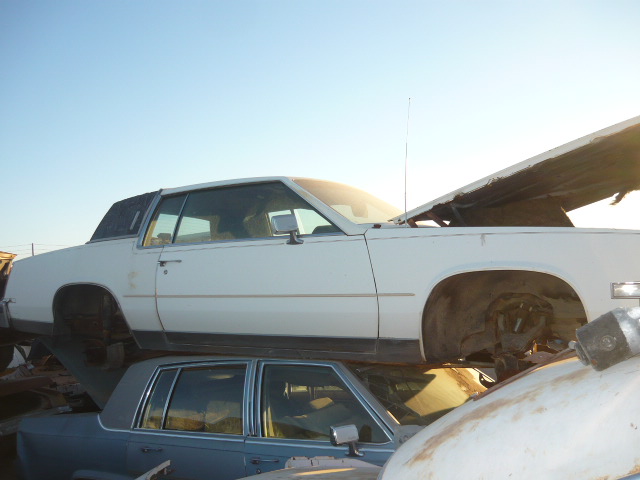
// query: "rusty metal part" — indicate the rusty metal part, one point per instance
point(480, 316)
point(563, 355)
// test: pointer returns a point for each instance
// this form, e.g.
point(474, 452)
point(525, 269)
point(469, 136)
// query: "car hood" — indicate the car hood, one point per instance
point(564, 421)
point(539, 191)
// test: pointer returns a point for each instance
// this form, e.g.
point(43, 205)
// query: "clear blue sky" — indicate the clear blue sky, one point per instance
point(102, 100)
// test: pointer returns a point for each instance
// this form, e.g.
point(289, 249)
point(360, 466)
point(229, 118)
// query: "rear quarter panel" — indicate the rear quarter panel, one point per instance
point(34, 281)
point(54, 447)
point(411, 262)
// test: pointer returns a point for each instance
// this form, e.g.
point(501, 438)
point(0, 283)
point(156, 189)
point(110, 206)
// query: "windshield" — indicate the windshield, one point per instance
point(352, 203)
point(414, 395)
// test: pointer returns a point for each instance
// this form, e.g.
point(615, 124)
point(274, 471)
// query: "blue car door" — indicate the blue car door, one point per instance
point(194, 417)
point(295, 406)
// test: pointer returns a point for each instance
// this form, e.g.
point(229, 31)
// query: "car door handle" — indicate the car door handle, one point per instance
point(258, 460)
point(162, 263)
point(149, 449)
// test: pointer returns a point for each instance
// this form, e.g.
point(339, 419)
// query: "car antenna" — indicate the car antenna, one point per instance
point(406, 152)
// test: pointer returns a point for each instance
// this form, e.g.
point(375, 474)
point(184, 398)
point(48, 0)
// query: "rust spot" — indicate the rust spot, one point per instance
point(572, 377)
point(634, 470)
point(492, 408)
point(465, 424)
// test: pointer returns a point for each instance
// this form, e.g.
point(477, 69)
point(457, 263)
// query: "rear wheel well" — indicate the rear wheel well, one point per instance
point(490, 314)
point(89, 310)
point(92, 314)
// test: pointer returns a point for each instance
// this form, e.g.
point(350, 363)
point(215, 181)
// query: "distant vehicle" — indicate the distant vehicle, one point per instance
point(308, 268)
point(225, 418)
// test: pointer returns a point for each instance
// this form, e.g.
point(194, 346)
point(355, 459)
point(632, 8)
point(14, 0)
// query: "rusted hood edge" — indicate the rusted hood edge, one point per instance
point(581, 172)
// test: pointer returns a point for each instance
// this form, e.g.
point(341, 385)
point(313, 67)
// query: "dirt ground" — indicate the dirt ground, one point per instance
point(8, 470)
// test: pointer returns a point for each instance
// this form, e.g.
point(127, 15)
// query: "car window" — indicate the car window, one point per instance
point(352, 203)
point(124, 218)
point(303, 402)
point(154, 410)
point(230, 213)
point(415, 395)
point(204, 399)
point(164, 221)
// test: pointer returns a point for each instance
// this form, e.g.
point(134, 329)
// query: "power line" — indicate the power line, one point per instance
point(30, 248)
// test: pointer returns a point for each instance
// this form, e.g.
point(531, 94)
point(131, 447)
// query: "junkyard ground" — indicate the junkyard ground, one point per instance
point(8, 470)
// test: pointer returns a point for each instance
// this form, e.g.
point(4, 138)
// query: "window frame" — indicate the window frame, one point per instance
point(179, 368)
point(155, 207)
point(343, 376)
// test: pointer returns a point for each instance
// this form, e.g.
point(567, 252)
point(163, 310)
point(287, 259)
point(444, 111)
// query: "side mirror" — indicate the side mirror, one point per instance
point(286, 224)
point(346, 435)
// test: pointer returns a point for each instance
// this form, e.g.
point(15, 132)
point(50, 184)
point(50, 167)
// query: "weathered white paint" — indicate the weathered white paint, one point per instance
point(564, 421)
point(416, 260)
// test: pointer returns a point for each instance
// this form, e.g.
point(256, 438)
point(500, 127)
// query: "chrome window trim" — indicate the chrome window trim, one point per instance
point(169, 396)
point(144, 399)
point(152, 211)
point(144, 225)
point(249, 404)
point(179, 367)
point(195, 435)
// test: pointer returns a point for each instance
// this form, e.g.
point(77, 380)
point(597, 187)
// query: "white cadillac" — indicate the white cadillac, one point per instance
point(493, 272)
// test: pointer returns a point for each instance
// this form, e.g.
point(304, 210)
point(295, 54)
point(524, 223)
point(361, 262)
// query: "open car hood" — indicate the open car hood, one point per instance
point(539, 191)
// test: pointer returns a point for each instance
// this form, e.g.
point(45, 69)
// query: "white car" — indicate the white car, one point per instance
point(309, 268)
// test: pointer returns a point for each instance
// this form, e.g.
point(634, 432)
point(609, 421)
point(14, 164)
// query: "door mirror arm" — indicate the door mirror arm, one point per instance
point(282, 224)
point(346, 435)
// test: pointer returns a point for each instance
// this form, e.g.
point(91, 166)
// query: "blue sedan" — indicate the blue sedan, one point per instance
point(225, 418)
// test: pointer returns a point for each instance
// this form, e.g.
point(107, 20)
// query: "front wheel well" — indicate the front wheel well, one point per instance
point(490, 313)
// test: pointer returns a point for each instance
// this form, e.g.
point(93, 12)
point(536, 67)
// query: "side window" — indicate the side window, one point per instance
point(303, 402)
point(309, 221)
point(230, 213)
point(154, 411)
point(204, 399)
point(164, 221)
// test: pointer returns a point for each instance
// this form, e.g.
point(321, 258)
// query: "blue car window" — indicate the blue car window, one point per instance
point(209, 400)
point(303, 402)
point(204, 399)
point(154, 410)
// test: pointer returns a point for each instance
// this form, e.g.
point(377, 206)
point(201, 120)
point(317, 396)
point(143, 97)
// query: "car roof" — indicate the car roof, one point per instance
point(223, 183)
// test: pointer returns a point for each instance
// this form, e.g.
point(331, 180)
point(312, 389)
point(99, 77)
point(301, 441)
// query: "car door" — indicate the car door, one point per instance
point(224, 278)
point(296, 403)
point(194, 417)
